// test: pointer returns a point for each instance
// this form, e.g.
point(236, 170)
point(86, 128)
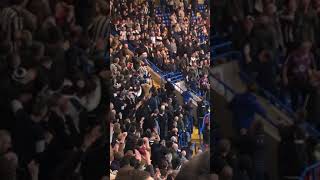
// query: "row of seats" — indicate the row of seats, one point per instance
point(201, 8)
point(166, 15)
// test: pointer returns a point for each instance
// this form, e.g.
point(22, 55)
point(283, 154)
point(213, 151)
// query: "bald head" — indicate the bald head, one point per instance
point(175, 146)
point(227, 173)
point(197, 168)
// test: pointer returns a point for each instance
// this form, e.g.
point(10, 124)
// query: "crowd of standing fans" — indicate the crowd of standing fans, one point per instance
point(279, 41)
point(53, 89)
point(150, 127)
point(280, 47)
point(173, 37)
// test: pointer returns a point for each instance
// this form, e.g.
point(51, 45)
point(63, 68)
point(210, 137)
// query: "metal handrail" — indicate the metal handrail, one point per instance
point(161, 73)
point(311, 169)
point(233, 92)
point(228, 43)
point(163, 77)
point(275, 101)
point(270, 96)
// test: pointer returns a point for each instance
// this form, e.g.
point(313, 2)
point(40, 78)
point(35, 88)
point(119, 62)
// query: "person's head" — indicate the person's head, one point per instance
point(264, 21)
point(172, 176)
point(251, 87)
point(224, 146)
point(5, 141)
point(55, 35)
point(292, 5)
point(162, 108)
point(125, 161)
point(264, 56)
point(175, 124)
point(306, 46)
point(132, 129)
point(305, 3)
point(163, 143)
point(183, 153)
point(175, 147)
point(270, 9)
point(134, 174)
point(226, 173)
point(14, 60)
point(102, 7)
point(26, 38)
point(168, 157)
point(196, 168)
point(39, 110)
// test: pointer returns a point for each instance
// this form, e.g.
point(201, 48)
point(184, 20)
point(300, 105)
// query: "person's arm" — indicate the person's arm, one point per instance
point(69, 165)
point(73, 159)
point(17, 105)
point(122, 143)
point(33, 169)
point(149, 166)
point(111, 132)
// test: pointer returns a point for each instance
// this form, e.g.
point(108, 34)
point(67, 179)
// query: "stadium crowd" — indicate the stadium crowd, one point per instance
point(280, 47)
point(53, 89)
point(173, 37)
point(150, 127)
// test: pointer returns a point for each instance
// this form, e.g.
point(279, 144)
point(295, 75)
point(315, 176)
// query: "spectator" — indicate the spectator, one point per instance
point(296, 73)
point(244, 114)
point(54, 98)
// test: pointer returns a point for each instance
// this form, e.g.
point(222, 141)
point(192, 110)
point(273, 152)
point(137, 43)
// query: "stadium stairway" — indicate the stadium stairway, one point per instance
point(177, 79)
point(223, 92)
point(196, 139)
point(226, 80)
point(278, 111)
point(223, 117)
point(231, 79)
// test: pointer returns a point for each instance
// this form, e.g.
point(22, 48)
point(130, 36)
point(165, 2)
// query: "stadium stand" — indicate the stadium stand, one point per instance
point(154, 126)
point(254, 53)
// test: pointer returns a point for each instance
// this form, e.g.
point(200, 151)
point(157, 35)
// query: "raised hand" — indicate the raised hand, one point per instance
point(137, 155)
point(33, 169)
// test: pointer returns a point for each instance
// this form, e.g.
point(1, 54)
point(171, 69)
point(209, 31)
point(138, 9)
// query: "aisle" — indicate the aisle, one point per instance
point(196, 139)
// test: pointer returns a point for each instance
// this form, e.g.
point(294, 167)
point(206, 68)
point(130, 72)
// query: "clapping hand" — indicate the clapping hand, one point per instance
point(137, 155)
point(91, 137)
point(33, 169)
